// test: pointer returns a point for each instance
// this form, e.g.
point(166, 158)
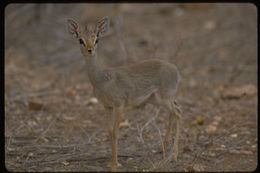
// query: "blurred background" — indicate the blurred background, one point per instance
point(53, 122)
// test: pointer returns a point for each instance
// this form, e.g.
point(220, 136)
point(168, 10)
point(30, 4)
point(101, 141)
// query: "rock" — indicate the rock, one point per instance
point(91, 101)
point(233, 135)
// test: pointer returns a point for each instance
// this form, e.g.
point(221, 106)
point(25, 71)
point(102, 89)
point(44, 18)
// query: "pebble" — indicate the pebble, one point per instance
point(233, 135)
point(93, 100)
point(254, 146)
point(210, 24)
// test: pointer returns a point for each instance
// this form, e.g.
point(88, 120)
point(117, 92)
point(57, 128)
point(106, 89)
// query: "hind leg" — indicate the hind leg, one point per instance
point(169, 128)
point(177, 113)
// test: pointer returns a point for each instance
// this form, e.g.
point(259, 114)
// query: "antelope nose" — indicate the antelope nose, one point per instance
point(89, 51)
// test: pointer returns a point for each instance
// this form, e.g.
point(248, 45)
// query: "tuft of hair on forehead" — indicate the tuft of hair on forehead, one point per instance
point(88, 29)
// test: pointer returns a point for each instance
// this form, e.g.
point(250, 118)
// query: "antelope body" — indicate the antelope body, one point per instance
point(128, 86)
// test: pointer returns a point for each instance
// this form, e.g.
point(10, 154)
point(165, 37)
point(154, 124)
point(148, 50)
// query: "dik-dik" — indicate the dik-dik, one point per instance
point(128, 86)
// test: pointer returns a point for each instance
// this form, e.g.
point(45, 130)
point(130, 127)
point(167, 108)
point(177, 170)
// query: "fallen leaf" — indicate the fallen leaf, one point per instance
point(35, 105)
point(87, 121)
point(232, 151)
point(129, 159)
point(70, 91)
point(212, 155)
point(217, 118)
point(10, 149)
point(238, 92)
point(187, 148)
point(246, 152)
point(148, 136)
point(69, 118)
point(194, 168)
point(198, 168)
point(160, 119)
point(254, 147)
point(65, 163)
point(211, 129)
point(201, 120)
point(42, 140)
point(124, 124)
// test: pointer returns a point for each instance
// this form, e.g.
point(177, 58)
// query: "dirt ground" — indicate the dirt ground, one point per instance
point(54, 123)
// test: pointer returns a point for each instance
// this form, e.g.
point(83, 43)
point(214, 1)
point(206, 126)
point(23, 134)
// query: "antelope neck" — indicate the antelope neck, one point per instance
point(95, 71)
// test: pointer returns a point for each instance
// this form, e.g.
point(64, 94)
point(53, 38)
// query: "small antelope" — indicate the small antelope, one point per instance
point(128, 86)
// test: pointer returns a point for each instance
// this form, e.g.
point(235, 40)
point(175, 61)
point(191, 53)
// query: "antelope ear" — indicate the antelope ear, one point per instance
point(73, 27)
point(102, 27)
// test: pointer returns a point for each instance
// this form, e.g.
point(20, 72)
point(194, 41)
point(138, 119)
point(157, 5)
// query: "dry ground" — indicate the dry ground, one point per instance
point(52, 122)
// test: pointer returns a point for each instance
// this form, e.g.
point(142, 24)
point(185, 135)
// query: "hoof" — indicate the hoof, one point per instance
point(113, 167)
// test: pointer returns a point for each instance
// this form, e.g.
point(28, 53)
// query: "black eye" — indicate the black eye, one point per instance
point(81, 41)
point(96, 41)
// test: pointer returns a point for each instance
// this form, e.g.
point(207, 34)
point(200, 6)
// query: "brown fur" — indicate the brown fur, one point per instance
point(130, 85)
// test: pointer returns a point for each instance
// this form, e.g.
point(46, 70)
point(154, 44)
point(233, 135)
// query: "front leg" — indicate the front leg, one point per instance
point(109, 121)
point(114, 121)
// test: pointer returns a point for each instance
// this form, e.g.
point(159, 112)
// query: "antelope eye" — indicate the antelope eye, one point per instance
point(81, 42)
point(96, 41)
